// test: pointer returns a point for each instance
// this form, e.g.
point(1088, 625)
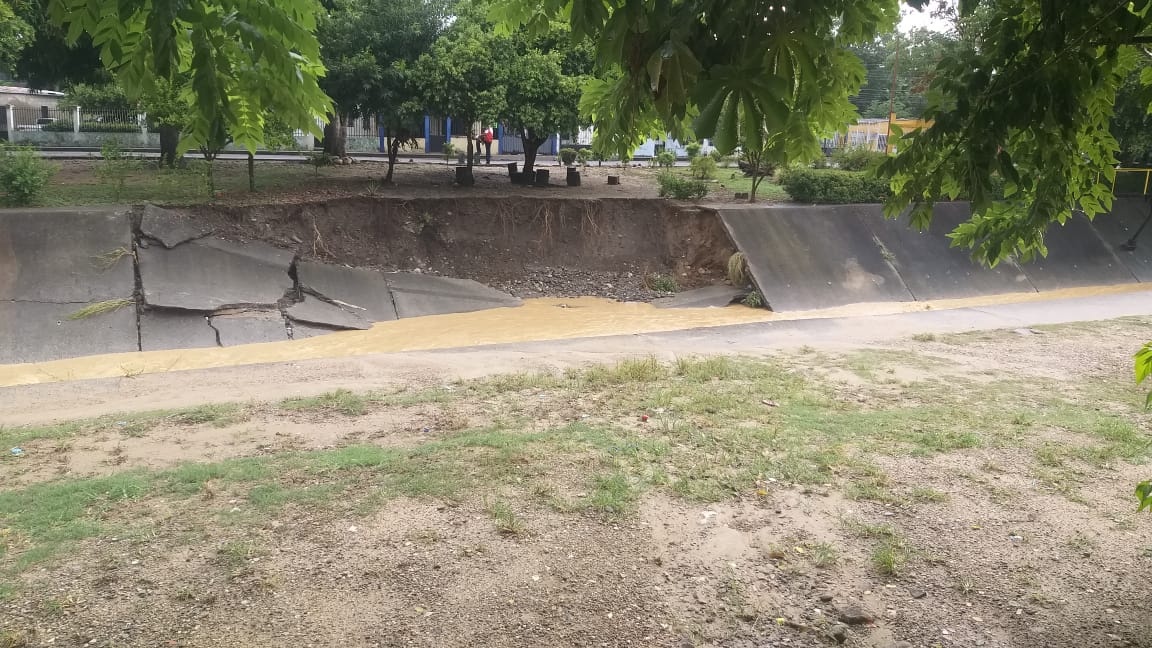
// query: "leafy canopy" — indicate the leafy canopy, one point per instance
point(243, 58)
point(711, 64)
point(369, 47)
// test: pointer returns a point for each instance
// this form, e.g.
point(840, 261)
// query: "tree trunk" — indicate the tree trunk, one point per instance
point(531, 143)
point(470, 149)
point(251, 173)
point(756, 180)
point(335, 142)
point(393, 153)
point(169, 141)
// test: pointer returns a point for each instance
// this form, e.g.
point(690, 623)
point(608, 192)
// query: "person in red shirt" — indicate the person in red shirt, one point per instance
point(486, 139)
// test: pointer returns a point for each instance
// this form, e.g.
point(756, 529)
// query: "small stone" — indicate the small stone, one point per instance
point(825, 597)
point(854, 616)
point(902, 644)
point(917, 593)
point(839, 632)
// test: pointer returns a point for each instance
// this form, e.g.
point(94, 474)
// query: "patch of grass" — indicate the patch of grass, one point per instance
point(754, 299)
point(635, 370)
point(824, 555)
point(738, 270)
point(507, 522)
point(862, 529)
point(705, 369)
point(130, 424)
point(219, 415)
point(343, 401)
point(235, 554)
point(924, 337)
point(889, 557)
point(100, 308)
point(663, 283)
point(925, 494)
point(613, 493)
point(13, 639)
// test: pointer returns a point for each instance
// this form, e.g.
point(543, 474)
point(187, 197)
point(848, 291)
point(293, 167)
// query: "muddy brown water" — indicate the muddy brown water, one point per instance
point(536, 320)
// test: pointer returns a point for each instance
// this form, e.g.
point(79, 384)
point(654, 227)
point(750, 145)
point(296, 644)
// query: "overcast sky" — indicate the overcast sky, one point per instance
point(911, 19)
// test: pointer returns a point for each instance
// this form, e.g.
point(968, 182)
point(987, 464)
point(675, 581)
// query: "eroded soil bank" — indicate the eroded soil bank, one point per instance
point(528, 246)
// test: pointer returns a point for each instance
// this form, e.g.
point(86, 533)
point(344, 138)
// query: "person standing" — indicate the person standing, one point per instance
point(486, 137)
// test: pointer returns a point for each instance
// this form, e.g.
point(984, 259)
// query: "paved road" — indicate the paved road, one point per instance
point(389, 371)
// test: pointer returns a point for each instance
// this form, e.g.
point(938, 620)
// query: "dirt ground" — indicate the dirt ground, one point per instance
point(530, 246)
point(959, 490)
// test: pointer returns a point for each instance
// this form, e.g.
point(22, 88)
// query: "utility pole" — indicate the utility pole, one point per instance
point(892, 97)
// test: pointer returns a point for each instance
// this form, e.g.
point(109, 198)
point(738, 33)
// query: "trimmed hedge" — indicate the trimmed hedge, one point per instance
point(92, 127)
point(834, 186)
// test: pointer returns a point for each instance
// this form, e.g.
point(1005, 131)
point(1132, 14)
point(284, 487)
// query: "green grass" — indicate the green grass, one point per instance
point(129, 424)
point(824, 555)
point(889, 557)
point(144, 183)
point(341, 400)
point(505, 518)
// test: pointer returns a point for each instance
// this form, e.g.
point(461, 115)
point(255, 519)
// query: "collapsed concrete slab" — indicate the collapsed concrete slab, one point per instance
point(164, 329)
point(707, 297)
point(363, 291)
point(209, 274)
point(170, 228)
point(36, 332)
point(314, 311)
point(249, 327)
point(74, 256)
point(418, 295)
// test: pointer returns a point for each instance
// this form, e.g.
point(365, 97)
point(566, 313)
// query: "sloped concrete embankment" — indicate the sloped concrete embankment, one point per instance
point(81, 282)
point(810, 257)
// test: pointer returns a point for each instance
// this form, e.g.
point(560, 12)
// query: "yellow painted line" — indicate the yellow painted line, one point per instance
point(536, 320)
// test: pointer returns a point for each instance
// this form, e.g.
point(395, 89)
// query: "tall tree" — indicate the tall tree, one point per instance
point(243, 58)
point(369, 47)
point(461, 77)
point(543, 98)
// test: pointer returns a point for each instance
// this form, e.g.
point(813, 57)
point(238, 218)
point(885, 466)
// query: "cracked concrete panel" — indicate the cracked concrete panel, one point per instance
point(302, 331)
point(169, 227)
point(361, 289)
point(36, 332)
point(314, 311)
point(209, 274)
point(163, 329)
point(249, 327)
point(707, 297)
point(417, 295)
point(65, 255)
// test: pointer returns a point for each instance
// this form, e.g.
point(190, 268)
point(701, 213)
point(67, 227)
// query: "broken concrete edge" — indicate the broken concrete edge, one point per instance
point(184, 229)
point(753, 284)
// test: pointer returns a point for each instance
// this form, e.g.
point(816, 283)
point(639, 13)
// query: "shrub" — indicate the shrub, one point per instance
point(584, 156)
point(568, 156)
point(681, 188)
point(857, 158)
point(115, 165)
point(692, 150)
point(448, 152)
point(23, 174)
point(665, 159)
point(834, 186)
point(716, 155)
point(703, 167)
point(663, 283)
point(319, 159)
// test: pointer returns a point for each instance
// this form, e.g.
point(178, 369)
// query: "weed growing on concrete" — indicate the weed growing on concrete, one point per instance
point(100, 308)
